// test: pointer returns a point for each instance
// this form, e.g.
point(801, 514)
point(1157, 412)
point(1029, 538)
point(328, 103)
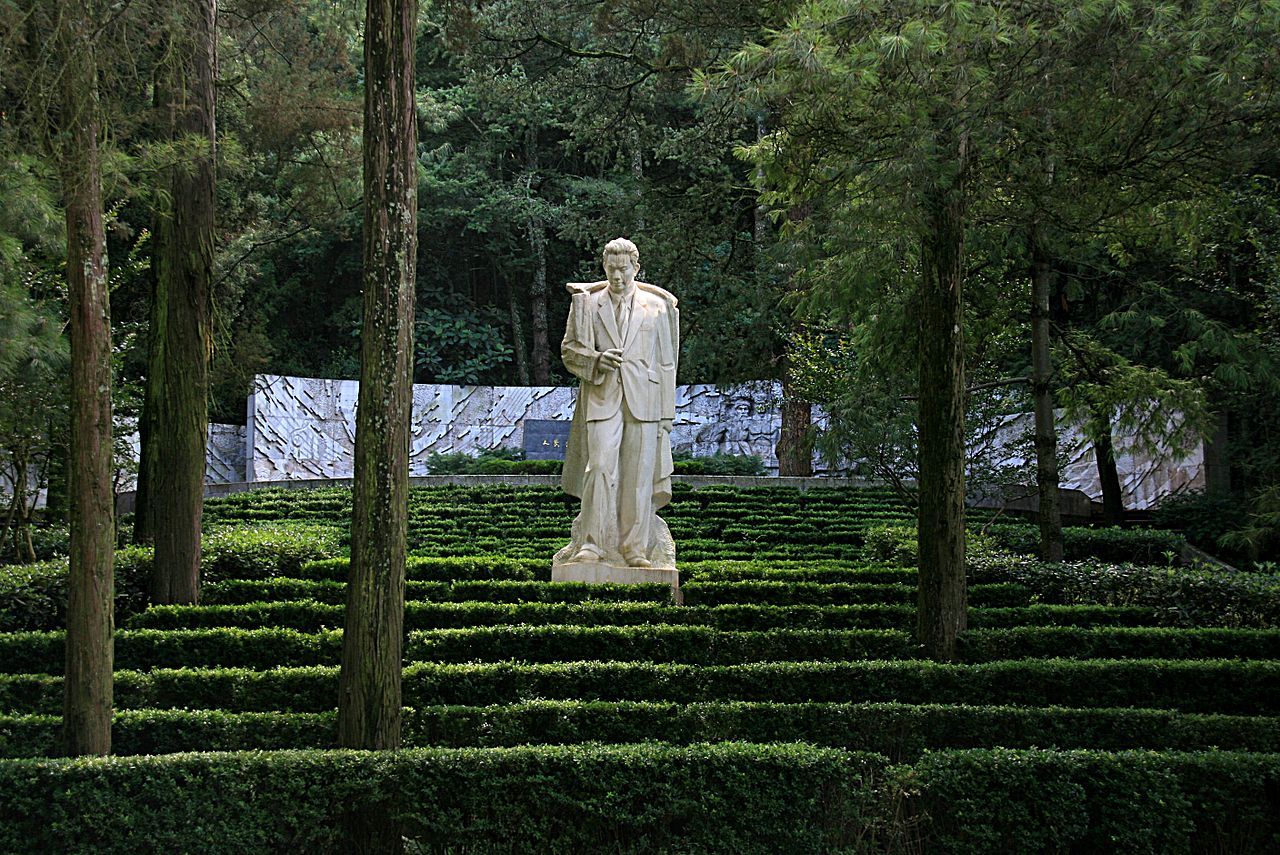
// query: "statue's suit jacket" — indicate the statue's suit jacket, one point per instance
point(646, 378)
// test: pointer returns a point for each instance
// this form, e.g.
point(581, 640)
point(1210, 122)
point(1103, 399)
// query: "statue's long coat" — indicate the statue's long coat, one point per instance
point(579, 350)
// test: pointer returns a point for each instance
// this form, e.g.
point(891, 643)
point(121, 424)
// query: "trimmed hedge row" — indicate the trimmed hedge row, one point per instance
point(310, 616)
point(695, 645)
point(1221, 686)
point(1090, 801)
point(477, 590)
point(1115, 545)
point(586, 798)
point(34, 597)
point(899, 731)
point(705, 798)
point(698, 593)
point(1185, 596)
point(700, 645)
point(43, 652)
point(428, 569)
point(794, 571)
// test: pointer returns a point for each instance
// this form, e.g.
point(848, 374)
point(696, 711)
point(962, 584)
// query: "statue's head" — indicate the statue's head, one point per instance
point(621, 264)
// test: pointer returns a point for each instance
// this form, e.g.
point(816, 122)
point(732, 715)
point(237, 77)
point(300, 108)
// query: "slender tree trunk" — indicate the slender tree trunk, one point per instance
point(795, 441)
point(179, 432)
point(538, 292)
point(11, 516)
point(369, 684)
point(56, 499)
point(87, 687)
point(1108, 475)
point(1217, 456)
point(23, 550)
point(1046, 439)
point(143, 530)
point(637, 174)
point(941, 614)
point(517, 335)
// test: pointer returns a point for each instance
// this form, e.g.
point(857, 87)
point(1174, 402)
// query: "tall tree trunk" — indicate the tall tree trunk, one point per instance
point(179, 431)
point(538, 292)
point(941, 614)
point(637, 175)
point(23, 550)
point(1108, 476)
point(795, 441)
point(87, 687)
point(1217, 455)
point(369, 684)
point(517, 335)
point(1046, 438)
point(143, 531)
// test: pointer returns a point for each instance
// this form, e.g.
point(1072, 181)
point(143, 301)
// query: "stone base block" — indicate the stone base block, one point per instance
point(599, 573)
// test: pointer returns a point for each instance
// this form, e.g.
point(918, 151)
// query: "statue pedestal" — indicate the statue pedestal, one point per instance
point(600, 573)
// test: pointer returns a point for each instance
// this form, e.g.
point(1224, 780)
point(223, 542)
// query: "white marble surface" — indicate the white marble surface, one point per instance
point(305, 428)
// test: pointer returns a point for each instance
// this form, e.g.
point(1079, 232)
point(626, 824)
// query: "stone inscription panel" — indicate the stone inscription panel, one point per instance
point(545, 439)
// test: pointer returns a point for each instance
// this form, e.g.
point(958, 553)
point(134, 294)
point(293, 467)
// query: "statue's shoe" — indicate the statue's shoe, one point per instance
point(586, 555)
point(638, 561)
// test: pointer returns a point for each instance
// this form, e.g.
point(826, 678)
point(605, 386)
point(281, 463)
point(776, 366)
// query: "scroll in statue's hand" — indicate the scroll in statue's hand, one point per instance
point(611, 359)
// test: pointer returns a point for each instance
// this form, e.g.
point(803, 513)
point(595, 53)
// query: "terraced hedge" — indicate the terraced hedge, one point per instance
point(1096, 706)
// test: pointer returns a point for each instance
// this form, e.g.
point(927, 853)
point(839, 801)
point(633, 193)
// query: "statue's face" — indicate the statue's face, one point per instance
point(620, 271)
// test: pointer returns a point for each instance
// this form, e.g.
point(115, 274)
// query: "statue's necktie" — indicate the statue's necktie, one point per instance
point(624, 311)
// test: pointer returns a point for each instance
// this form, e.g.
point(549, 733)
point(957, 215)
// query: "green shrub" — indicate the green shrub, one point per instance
point(642, 798)
point(796, 593)
point(253, 609)
point(1183, 596)
point(748, 465)
point(262, 551)
point(654, 643)
point(893, 543)
point(44, 652)
point(435, 569)
point(1202, 518)
point(1026, 642)
point(1088, 801)
point(1218, 686)
point(493, 461)
point(896, 730)
point(34, 596)
point(1112, 545)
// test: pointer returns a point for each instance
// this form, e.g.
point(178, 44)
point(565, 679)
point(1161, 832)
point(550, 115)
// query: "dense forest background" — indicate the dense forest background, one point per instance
point(737, 145)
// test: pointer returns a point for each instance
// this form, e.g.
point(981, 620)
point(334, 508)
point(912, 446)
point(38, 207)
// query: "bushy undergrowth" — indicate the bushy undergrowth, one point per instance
point(797, 626)
point(34, 596)
point(1184, 596)
point(642, 798)
point(897, 543)
point(902, 732)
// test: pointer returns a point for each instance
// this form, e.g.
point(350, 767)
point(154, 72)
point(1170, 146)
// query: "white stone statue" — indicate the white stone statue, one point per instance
point(623, 341)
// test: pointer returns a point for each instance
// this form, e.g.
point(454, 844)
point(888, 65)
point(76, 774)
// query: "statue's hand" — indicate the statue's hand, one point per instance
point(611, 359)
point(665, 425)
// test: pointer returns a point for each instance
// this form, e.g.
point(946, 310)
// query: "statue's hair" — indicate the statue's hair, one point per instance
point(619, 245)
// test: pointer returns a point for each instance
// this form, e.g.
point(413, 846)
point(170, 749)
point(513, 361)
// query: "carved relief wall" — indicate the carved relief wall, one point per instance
point(305, 428)
point(1144, 478)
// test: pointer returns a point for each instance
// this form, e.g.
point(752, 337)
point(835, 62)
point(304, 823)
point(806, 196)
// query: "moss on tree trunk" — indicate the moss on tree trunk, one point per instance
point(87, 688)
